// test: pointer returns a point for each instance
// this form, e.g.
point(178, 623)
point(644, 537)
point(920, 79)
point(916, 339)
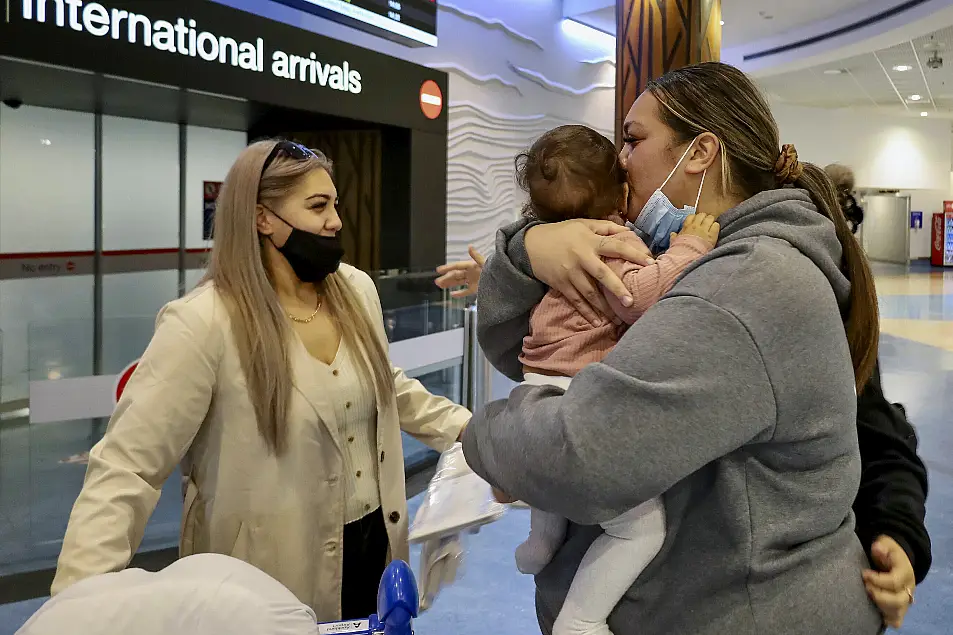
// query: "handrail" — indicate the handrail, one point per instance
point(477, 371)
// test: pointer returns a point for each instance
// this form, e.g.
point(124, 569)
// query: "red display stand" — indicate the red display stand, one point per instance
point(941, 243)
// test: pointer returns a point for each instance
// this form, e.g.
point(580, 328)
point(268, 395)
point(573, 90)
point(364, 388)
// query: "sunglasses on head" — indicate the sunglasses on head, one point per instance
point(287, 148)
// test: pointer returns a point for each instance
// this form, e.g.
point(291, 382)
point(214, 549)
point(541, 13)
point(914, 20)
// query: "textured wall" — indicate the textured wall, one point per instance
point(515, 71)
point(513, 76)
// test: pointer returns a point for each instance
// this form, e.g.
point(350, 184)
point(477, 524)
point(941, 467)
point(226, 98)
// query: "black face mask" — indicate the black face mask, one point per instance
point(312, 257)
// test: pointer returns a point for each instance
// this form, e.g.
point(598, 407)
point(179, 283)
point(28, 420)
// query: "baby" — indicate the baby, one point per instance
point(574, 172)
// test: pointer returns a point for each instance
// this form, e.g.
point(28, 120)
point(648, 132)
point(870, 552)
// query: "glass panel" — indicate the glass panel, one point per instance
point(47, 321)
point(62, 348)
point(192, 278)
point(414, 306)
point(210, 153)
point(39, 465)
point(40, 146)
point(140, 184)
point(131, 302)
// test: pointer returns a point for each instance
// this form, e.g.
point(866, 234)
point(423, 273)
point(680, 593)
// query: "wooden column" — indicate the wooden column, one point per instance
point(656, 36)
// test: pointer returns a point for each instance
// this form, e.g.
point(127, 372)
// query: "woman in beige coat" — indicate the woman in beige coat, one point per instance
point(271, 384)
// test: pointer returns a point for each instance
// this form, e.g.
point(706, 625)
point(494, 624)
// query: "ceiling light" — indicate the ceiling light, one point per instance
point(902, 68)
point(835, 71)
point(924, 114)
point(721, 22)
point(915, 97)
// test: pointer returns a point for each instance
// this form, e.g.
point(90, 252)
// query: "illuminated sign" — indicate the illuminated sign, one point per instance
point(183, 37)
point(410, 22)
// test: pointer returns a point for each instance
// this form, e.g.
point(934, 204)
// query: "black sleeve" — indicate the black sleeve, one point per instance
point(893, 484)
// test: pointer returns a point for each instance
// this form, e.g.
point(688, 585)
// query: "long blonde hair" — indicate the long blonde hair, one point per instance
point(259, 326)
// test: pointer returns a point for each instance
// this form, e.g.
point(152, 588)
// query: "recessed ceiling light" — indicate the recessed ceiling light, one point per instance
point(721, 22)
point(902, 68)
point(924, 114)
point(835, 71)
point(916, 97)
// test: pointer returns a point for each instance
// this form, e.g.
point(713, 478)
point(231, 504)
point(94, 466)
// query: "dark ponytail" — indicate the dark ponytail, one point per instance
point(863, 317)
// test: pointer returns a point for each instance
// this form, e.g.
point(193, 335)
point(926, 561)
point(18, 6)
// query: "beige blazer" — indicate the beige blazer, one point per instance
point(188, 402)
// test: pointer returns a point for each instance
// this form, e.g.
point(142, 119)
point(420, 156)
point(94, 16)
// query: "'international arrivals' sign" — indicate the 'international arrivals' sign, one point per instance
point(184, 36)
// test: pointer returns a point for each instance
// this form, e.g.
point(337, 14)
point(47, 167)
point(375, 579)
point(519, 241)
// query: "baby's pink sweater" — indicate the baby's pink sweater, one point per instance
point(561, 341)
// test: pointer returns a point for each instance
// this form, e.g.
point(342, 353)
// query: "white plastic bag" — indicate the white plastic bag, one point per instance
point(457, 500)
point(440, 561)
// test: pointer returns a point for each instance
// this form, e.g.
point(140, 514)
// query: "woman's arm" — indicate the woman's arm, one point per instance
point(152, 428)
point(893, 485)
point(507, 293)
point(566, 256)
point(614, 439)
point(434, 420)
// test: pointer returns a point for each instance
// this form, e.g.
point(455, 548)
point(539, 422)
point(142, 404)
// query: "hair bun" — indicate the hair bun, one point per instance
point(788, 169)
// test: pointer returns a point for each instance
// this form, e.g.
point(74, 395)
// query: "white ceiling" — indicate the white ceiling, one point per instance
point(871, 81)
point(751, 20)
point(748, 20)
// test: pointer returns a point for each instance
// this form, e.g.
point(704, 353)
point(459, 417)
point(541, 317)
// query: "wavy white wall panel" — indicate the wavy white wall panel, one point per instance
point(502, 97)
point(482, 190)
point(489, 23)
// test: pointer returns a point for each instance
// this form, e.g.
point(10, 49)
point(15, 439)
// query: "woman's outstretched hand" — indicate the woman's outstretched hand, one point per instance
point(891, 588)
point(463, 273)
point(567, 256)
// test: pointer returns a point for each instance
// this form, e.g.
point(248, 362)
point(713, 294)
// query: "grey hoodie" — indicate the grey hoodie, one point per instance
point(733, 397)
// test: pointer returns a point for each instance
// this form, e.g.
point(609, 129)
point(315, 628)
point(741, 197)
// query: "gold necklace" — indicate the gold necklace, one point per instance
point(308, 319)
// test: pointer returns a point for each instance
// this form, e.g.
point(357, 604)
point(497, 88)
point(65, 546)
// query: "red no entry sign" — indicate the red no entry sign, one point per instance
point(123, 379)
point(431, 99)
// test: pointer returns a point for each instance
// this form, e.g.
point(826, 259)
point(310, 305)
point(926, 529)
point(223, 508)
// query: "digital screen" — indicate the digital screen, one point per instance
point(412, 22)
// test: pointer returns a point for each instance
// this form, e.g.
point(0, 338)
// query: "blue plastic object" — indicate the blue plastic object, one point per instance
point(397, 606)
point(397, 599)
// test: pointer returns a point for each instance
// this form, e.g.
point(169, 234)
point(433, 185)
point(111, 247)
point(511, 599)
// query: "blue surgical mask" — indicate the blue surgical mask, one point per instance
point(659, 218)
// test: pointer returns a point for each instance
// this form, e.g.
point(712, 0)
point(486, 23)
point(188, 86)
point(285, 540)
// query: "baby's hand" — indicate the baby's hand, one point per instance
point(702, 226)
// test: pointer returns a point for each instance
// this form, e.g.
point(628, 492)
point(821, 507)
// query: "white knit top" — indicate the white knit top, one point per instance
point(355, 408)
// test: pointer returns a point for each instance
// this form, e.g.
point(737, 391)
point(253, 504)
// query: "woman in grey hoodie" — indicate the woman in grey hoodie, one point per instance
point(734, 397)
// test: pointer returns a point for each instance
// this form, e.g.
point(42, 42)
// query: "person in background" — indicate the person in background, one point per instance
point(204, 594)
point(271, 384)
point(843, 178)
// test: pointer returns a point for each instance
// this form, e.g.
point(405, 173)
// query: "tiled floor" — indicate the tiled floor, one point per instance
point(917, 360)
